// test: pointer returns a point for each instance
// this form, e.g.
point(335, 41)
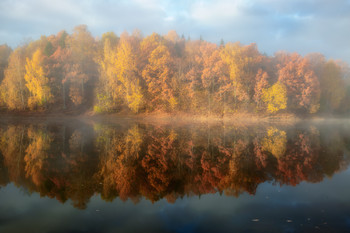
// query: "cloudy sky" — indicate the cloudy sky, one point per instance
point(293, 25)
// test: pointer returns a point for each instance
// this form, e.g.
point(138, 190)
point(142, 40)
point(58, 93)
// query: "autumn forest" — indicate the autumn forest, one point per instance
point(75, 73)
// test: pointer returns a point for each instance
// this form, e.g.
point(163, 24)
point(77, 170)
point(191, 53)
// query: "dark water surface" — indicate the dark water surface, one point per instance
point(93, 176)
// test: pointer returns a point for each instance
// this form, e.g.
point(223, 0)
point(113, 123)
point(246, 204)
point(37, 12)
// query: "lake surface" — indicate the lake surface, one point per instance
point(131, 176)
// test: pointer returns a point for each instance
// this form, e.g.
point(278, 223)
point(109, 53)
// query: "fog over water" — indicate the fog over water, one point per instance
point(132, 176)
point(174, 116)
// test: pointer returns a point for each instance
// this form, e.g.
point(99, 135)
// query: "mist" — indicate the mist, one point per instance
point(174, 116)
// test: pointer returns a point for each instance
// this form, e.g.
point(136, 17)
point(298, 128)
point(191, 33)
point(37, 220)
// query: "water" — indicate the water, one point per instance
point(132, 176)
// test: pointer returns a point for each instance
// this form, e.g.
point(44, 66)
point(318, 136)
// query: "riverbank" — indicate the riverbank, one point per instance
point(163, 117)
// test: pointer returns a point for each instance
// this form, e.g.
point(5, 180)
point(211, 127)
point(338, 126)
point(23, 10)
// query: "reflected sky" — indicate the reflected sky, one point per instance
point(303, 186)
point(271, 209)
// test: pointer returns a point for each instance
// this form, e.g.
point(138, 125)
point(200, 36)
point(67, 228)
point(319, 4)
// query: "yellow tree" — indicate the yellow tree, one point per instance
point(111, 37)
point(118, 80)
point(260, 85)
point(107, 94)
point(193, 66)
point(158, 75)
point(147, 45)
point(127, 75)
point(13, 92)
point(242, 62)
point(212, 71)
point(37, 82)
point(232, 56)
point(275, 97)
point(135, 97)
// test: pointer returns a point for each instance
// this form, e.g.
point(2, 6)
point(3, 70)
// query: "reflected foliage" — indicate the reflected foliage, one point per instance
point(74, 161)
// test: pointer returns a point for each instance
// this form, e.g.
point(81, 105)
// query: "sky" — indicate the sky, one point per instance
point(302, 26)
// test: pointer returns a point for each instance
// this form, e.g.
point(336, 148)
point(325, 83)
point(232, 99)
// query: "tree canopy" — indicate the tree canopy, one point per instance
point(132, 73)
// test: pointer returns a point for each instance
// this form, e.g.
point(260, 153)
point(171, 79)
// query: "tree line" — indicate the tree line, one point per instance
point(131, 73)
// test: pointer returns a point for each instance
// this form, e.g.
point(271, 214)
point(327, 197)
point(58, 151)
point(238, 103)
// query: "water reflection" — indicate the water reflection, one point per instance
point(74, 161)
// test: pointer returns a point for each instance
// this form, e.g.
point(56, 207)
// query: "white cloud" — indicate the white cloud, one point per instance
point(293, 25)
point(212, 13)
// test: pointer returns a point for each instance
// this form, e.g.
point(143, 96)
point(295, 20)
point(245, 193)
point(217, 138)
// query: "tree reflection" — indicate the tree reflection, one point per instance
point(13, 143)
point(36, 154)
point(133, 161)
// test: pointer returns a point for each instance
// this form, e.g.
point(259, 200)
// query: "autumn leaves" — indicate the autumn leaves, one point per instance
point(36, 82)
point(166, 73)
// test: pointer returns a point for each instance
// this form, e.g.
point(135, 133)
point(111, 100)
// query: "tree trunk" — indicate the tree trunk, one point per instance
point(64, 95)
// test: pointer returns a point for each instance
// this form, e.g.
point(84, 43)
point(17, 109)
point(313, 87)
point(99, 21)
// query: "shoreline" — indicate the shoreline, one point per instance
point(156, 117)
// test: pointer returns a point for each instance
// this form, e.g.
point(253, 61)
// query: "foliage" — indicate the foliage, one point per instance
point(76, 72)
point(275, 97)
point(5, 52)
point(36, 82)
point(13, 92)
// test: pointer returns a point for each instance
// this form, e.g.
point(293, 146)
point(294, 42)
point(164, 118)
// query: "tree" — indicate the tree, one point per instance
point(168, 73)
point(13, 92)
point(212, 72)
point(36, 82)
point(148, 44)
point(303, 87)
point(332, 84)
point(62, 35)
point(77, 79)
point(5, 52)
point(261, 84)
point(113, 39)
point(126, 72)
point(193, 90)
point(158, 76)
point(83, 70)
point(135, 98)
point(275, 97)
point(58, 66)
point(108, 96)
point(243, 63)
point(49, 49)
